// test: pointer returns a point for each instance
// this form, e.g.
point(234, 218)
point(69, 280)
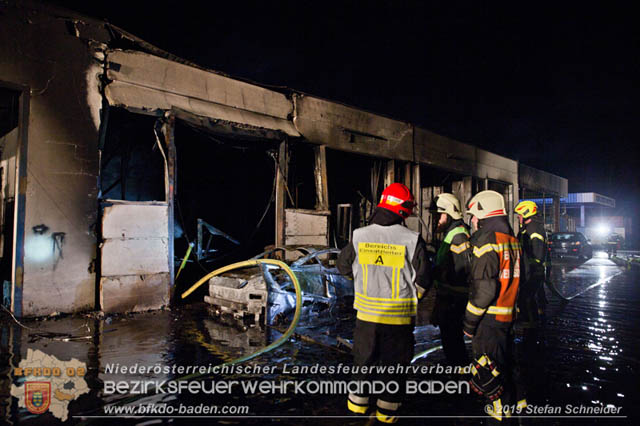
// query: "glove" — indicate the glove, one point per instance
point(486, 378)
point(468, 330)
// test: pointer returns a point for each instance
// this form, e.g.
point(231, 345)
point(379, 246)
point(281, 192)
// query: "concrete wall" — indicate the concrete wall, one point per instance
point(50, 57)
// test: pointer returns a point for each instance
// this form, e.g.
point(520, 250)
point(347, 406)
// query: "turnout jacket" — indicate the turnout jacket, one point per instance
point(533, 238)
point(390, 268)
point(452, 262)
point(495, 275)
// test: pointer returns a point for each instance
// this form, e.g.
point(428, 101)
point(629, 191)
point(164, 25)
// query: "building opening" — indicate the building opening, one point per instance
point(224, 199)
point(9, 142)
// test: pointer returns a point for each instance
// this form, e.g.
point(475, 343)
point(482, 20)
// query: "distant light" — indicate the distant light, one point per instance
point(603, 230)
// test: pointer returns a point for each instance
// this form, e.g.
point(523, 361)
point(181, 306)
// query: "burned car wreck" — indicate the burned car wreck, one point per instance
point(265, 294)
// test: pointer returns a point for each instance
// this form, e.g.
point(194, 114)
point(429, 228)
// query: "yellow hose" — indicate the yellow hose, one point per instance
point(184, 261)
point(255, 262)
point(281, 340)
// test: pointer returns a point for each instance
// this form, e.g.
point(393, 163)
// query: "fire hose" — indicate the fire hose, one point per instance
point(275, 344)
point(256, 262)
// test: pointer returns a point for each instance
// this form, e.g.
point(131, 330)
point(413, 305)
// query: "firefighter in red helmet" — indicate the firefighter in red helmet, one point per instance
point(391, 273)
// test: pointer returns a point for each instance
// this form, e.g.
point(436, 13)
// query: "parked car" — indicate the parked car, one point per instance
point(570, 244)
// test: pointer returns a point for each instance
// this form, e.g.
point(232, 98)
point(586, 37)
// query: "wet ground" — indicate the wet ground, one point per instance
point(588, 353)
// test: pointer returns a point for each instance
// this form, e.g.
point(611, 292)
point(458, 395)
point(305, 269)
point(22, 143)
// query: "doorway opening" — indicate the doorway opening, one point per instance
point(224, 198)
point(9, 154)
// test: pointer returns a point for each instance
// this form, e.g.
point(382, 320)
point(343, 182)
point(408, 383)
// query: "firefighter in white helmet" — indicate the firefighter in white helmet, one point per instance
point(495, 277)
point(391, 273)
point(450, 272)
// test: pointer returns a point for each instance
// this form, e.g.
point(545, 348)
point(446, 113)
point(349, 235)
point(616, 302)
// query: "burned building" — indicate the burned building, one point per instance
point(116, 155)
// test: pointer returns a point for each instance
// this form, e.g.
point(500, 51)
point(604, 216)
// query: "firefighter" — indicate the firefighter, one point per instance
point(450, 272)
point(495, 277)
point(612, 245)
point(532, 237)
point(391, 273)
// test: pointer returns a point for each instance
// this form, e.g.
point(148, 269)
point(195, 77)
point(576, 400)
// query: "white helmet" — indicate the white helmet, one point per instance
point(487, 204)
point(447, 203)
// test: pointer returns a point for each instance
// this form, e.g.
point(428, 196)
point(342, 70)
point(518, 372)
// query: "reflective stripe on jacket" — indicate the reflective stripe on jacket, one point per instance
point(495, 272)
point(384, 277)
point(533, 238)
point(452, 263)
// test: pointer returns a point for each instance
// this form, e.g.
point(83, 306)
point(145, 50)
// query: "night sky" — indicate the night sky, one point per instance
point(549, 84)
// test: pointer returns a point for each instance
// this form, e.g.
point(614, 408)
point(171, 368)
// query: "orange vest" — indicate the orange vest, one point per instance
point(508, 250)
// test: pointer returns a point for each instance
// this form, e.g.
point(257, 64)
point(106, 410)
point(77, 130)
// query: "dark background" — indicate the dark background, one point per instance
point(550, 84)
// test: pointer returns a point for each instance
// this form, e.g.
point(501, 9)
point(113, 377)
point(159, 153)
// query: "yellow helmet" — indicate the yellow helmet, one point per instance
point(526, 208)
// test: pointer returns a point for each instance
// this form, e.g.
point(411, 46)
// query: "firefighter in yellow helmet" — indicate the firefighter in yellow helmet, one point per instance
point(450, 272)
point(391, 273)
point(495, 278)
point(533, 239)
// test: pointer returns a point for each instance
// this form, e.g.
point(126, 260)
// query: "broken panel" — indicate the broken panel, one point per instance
point(135, 252)
point(306, 227)
point(164, 76)
point(133, 293)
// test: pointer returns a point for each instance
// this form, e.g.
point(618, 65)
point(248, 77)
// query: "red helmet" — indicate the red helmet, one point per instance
point(397, 198)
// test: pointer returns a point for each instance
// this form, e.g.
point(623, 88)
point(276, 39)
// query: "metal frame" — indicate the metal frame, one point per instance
point(282, 171)
point(168, 130)
point(17, 268)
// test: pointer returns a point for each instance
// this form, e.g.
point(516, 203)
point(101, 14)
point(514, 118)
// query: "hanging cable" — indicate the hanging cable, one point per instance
point(284, 178)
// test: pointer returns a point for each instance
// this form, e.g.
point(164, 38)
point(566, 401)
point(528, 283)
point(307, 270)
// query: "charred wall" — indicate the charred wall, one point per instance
point(49, 58)
point(58, 63)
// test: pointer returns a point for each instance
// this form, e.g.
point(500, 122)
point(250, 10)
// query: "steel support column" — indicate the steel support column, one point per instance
point(281, 177)
point(556, 213)
point(322, 184)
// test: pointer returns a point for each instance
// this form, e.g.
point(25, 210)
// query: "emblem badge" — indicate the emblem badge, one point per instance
point(38, 396)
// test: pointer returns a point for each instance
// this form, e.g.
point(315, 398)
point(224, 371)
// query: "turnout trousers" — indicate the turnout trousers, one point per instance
point(381, 345)
point(531, 301)
point(497, 343)
point(448, 314)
